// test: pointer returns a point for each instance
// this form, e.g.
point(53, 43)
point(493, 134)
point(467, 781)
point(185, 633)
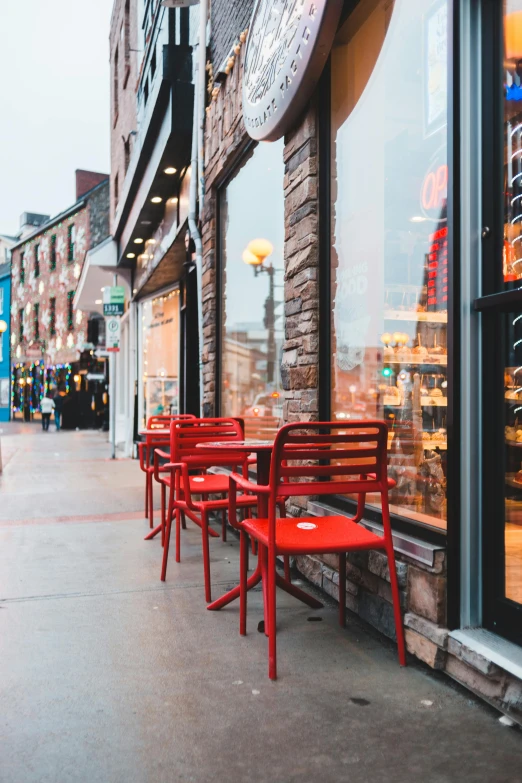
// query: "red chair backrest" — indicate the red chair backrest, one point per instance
point(163, 420)
point(326, 458)
point(185, 436)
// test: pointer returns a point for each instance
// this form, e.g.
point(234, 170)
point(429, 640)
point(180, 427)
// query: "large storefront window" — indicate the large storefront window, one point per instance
point(252, 239)
point(390, 239)
point(160, 355)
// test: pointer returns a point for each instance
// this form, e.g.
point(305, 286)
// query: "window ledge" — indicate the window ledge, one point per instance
point(414, 548)
point(505, 654)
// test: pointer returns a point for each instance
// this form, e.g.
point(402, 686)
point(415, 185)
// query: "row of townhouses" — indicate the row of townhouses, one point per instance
point(313, 216)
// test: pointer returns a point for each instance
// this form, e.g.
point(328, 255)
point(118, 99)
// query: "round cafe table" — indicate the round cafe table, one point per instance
point(161, 432)
point(263, 451)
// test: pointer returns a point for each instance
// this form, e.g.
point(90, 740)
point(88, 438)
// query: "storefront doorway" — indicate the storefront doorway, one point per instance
point(501, 315)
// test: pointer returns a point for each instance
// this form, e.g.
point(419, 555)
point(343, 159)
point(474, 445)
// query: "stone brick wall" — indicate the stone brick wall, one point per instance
point(99, 210)
point(225, 140)
point(423, 587)
point(227, 18)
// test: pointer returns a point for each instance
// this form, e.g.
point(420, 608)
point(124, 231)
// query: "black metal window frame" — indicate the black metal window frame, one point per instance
point(22, 267)
point(450, 538)
point(499, 614)
point(37, 260)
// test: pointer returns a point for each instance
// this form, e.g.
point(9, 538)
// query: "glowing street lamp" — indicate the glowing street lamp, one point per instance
point(254, 255)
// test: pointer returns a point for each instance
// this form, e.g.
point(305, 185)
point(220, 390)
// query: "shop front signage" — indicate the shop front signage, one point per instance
point(287, 47)
point(113, 300)
point(113, 333)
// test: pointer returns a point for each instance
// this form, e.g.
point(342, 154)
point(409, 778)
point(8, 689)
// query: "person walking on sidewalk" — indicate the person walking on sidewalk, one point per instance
point(47, 407)
point(58, 408)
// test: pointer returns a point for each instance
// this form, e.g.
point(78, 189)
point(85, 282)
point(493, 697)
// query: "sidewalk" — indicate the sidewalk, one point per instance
point(110, 675)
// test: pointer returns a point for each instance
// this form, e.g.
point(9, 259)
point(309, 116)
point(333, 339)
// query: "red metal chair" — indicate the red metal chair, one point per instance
point(185, 457)
point(332, 458)
point(146, 451)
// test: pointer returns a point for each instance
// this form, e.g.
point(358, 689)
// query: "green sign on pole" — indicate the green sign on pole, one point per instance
point(113, 300)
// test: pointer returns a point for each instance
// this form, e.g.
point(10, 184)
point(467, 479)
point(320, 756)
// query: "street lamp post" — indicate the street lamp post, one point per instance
point(3, 329)
point(255, 254)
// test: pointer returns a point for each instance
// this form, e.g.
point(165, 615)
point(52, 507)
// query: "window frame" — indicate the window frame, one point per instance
point(36, 321)
point(37, 260)
point(1, 300)
point(71, 242)
point(52, 253)
point(451, 536)
point(52, 316)
point(70, 311)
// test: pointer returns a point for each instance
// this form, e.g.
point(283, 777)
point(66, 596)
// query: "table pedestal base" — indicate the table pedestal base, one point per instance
point(254, 580)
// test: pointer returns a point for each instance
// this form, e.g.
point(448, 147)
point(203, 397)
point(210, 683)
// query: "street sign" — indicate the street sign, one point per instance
point(95, 376)
point(113, 333)
point(113, 300)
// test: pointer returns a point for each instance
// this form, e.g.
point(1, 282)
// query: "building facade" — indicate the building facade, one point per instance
point(6, 243)
point(352, 271)
point(152, 53)
point(52, 343)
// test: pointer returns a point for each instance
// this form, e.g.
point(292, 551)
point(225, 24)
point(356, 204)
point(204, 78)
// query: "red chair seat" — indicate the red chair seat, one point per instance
point(328, 535)
point(209, 483)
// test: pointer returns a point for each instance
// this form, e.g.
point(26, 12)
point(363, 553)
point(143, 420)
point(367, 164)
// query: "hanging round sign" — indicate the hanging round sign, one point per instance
point(287, 48)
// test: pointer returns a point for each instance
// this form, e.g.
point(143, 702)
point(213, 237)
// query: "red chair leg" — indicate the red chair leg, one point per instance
point(399, 629)
point(243, 573)
point(166, 547)
point(178, 536)
point(151, 502)
point(342, 589)
point(163, 493)
point(272, 659)
point(206, 555)
point(224, 525)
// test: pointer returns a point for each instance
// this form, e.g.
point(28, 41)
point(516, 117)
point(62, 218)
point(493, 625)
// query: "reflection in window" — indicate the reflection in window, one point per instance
point(252, 236)
point(160, 355)
point(390, 237)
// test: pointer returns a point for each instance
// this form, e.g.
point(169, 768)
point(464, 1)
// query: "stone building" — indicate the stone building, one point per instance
point(50, 339)
point(342, 266)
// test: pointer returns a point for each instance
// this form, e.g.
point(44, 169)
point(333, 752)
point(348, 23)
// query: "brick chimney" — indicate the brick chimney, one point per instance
point(85, 180)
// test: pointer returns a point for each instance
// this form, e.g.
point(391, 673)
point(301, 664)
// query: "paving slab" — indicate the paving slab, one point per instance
point(108, 674)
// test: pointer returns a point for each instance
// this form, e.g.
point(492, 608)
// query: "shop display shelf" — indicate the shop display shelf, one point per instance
point(513, 400)
point(511, 483)
point(416, 315)
point(426, 402)
point(442, 362)
point(434, 402)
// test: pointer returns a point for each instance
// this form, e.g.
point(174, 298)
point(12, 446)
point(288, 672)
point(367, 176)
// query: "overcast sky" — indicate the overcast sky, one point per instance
point(54, 88)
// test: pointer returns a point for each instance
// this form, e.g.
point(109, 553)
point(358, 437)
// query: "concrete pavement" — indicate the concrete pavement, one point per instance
point(107, 674)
